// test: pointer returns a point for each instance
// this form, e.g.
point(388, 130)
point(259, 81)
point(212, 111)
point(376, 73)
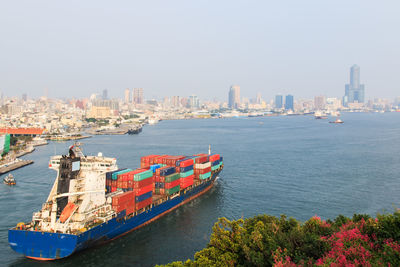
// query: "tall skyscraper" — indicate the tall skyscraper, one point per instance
point(354, 91)
point(105, 94)
point(176, 101)
point(258, 99)
point(194, 102)
point(278, 101)
point(234, 97)
point(289, 102)
point(138, 95)
point(127, 97)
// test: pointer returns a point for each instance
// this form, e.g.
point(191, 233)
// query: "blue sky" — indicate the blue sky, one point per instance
point(304, 48)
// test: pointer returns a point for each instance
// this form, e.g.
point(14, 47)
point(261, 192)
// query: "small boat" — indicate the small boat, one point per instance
point(336, 121)
point(9, 180)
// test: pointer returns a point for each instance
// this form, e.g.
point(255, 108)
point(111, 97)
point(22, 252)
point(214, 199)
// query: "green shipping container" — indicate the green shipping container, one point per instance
point(6, 143)
point(186, 174)
point(173, 190)
point(143, 175)
point(205, 176)
point(114, 176)
point(172, 177)
point(213, 168)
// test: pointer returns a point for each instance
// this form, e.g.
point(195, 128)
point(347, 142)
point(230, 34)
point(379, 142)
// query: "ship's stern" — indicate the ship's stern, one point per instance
point(42, 245)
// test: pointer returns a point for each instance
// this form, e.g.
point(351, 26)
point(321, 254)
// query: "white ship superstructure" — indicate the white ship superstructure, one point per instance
point(78, 196)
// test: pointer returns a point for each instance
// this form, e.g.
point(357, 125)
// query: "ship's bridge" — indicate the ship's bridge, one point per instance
point(89, 163)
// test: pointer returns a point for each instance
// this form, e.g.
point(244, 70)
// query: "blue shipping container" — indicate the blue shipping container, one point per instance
point(144, 197)
point(109, 174)
point(215, 163)
point(155, 167)
point(186, 169)
point(167, 171)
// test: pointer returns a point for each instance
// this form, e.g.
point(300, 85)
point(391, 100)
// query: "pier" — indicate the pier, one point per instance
point(16, 164)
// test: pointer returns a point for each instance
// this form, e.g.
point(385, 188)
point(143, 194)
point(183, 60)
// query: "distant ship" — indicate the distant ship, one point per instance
point(92, 201)
point(9, 180)
point(337, 121)
point(320, 115)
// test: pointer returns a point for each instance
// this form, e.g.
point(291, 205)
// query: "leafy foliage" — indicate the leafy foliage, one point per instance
point(270, 241)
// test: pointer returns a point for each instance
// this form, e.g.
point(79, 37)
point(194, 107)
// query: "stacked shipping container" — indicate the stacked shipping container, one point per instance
point(158, 175)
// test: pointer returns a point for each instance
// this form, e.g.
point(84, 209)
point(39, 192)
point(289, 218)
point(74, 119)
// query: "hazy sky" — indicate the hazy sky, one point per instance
point(305, 48)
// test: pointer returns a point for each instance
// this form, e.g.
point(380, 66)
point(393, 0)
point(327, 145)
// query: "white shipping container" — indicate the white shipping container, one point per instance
point(202, 166)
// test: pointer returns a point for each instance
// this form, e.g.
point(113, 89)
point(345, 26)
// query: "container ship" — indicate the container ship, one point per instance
point(92, 201)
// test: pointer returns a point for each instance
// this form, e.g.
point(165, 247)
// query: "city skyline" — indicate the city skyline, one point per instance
point(273, 47)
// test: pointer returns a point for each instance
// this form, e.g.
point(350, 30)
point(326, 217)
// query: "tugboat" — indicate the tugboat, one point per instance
point(135, 130)
point(9, 180)
point(337, 121)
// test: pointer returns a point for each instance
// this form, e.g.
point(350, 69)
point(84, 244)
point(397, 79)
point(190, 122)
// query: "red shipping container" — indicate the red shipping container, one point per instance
point(202, 171)
point(143, 183)
point(114, 183)
point(186, 163)
point(146, 159)
point(119, 183)
point(124, 184)
point(187, 183)
point(162, 191)
point(159, 160)
point(201, 159)
point(144, 203)
point(132, 173)
point(122, 198)
point(172, 184)
point(171, 160)
point(113, 188)
point(129, 206)
point(143, 190)
point(214, 157)
point(159, 169)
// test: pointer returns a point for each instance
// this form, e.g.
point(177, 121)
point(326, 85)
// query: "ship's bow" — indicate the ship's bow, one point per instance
point(42, 245)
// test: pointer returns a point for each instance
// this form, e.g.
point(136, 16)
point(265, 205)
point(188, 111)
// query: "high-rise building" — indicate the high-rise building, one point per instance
point(138, 95)
point(194, 102)
point(176, 101)
point(127, 97)
point(278, 101)
point(234, 97)
point(354, 91)
point(289, 102)
point(105, 94)
point(258, 99)
point(24, 97)
point(319, 102)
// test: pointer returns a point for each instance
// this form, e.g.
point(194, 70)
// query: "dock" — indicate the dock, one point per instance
point(14, 165)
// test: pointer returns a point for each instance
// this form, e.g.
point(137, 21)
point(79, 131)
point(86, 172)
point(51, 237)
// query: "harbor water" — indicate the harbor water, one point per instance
point(293, 165)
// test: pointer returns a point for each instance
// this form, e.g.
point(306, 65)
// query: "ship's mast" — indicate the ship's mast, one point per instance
point(209, 149)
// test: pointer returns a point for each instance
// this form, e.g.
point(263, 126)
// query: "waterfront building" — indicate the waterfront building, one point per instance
point(289, 103)
point(138, 96)
point(234, 97)
point(127, 96)
point(354, 91)
point(194, 102)
point(319, 102)
point(278, 101)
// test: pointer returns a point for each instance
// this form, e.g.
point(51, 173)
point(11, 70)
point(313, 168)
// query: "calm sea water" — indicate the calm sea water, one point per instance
point(295, 165)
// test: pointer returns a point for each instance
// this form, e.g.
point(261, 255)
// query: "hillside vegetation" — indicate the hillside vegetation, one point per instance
point(270, 241)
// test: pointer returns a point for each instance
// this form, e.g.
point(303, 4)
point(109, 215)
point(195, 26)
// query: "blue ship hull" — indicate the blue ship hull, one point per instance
point(50, 246)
